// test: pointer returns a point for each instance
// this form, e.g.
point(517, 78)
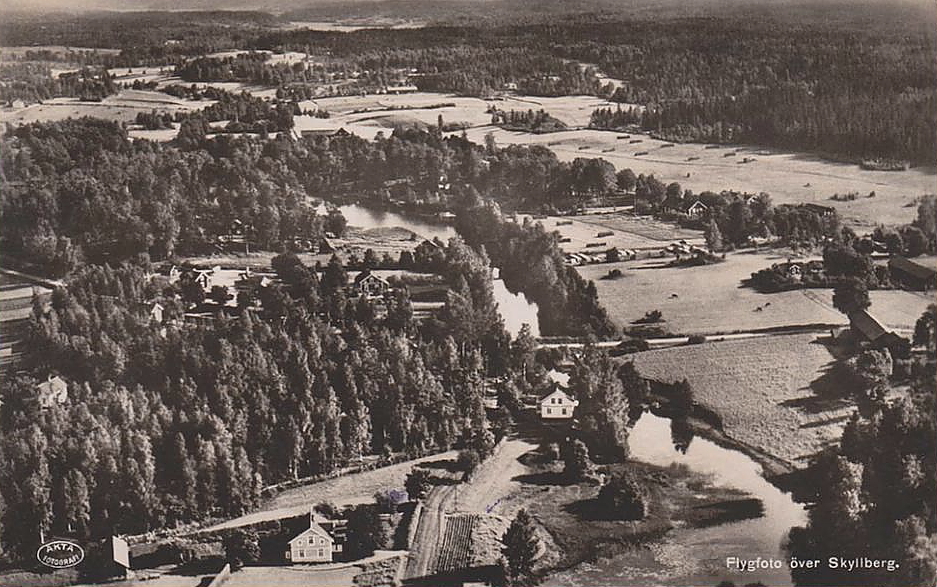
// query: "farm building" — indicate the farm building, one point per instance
point(369, 284)
point(697, 208)
point(52, 391)
point(557, 405)
point(679, 205)
point(313, 545)
point(912, 275)
point(401, 89)
point(203, 277)
point(866, 327)
point(868, 331)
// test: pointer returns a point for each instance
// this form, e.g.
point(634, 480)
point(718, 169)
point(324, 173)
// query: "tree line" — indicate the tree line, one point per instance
point(33, 82)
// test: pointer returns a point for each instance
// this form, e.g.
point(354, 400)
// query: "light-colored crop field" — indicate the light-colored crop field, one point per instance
point(764, 389)
point(710, 299)
point(293, 576)
point(788, 177)
point(121, 107)
point(630, 232)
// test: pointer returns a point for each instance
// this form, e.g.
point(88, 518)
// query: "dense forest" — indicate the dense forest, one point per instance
point(306, 382)
point(836, 92)
point(143, 37)
point(178, 422)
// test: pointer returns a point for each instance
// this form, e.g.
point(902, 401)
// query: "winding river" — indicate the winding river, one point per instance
point(689, 557)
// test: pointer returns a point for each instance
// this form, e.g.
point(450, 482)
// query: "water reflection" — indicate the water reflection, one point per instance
point(698, 557)
point(515, 309)
point(681, 434)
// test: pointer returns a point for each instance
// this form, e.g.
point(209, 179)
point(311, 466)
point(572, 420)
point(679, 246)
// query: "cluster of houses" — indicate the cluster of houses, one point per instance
point(231, 283)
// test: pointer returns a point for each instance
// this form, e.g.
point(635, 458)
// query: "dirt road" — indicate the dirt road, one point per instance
point(487, 492)
point(345, 490)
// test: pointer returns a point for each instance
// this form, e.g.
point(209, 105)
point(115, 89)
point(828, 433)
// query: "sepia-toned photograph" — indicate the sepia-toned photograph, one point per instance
point(468, 293)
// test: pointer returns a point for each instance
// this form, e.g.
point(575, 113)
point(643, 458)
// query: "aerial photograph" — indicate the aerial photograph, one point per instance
point(445, 293)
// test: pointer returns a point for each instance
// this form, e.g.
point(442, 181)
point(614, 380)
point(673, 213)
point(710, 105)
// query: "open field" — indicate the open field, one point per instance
point(121, 107)
point(19, 51)
point(293, 576)
point(789, 178)
point(346, 490)
point(711, 298)
point(765, 390)
point(630, 232)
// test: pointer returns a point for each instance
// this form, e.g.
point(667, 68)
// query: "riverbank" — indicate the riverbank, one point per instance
point(583, 532)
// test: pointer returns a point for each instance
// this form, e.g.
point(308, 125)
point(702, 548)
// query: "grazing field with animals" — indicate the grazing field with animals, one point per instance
point(712, 298)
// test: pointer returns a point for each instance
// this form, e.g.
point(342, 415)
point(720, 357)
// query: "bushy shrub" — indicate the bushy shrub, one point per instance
point(624, 497)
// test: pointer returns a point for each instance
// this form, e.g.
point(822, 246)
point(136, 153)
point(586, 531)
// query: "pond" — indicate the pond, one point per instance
point(697, 557)
point(515, 309)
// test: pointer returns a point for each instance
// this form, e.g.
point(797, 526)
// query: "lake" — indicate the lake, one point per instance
point(697, 557)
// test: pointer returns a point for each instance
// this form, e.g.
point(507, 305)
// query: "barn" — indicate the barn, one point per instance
point(912, 275)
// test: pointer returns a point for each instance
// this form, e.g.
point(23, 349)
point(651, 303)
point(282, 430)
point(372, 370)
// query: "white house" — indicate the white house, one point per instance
point(156, 312)
point(369, 284)
point(53, 391)
point(697, 208)
point(557, 406)
point(313, 545)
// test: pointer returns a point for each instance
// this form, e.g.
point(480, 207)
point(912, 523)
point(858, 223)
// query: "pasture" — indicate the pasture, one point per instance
point(765, 390)
point(351, 489)
point(711, 299)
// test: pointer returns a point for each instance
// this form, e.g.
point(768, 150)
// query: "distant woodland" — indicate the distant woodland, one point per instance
point(844, 92)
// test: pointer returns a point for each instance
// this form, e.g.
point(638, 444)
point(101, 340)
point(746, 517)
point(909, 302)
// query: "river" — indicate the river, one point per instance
point(515, 309)
point(697, 557)
point(689, 557)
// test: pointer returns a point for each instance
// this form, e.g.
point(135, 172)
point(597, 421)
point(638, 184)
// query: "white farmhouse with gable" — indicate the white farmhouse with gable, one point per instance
point(557, 405)
point(313, 545)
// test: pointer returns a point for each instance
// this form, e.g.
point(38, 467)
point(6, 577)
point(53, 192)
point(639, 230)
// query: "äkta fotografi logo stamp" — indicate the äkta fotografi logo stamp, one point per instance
point(60, 554)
